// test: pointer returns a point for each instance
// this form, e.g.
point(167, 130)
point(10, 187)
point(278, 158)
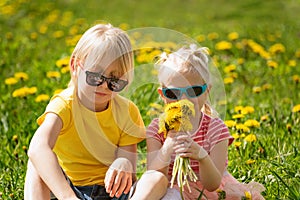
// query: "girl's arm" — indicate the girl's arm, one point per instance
point(119, 176)
point(44, 159)
point(211, 166)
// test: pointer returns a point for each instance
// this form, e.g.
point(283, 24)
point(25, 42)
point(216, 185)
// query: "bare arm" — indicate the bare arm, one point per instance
point(120, 174)
point(45, 161)
point(211, 166)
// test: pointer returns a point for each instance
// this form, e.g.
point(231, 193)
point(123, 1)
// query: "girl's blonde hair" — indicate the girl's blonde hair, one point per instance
point(188, 59)
point(103, 44)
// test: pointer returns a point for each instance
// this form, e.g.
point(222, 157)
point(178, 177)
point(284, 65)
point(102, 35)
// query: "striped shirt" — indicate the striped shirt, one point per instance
point(211, 131)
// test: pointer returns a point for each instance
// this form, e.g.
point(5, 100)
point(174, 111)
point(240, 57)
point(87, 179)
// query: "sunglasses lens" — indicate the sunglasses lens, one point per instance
point(93, 79)
point(172, 93)
point(116, 85)
point(194, 91)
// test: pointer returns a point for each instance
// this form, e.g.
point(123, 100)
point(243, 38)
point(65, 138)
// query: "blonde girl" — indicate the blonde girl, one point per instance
point(184, 74)
point(85, 146)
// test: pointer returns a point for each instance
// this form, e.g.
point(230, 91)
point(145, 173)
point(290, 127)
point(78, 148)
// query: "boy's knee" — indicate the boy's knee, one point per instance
point(156, 176)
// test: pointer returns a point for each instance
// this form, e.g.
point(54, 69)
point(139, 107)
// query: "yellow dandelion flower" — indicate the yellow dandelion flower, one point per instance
point(10, 81)
point(252, 123)
point(200, 38)
point(250, 138)
point(238, 109)
point(15, 138)
point(237, 144)
point(213, 36)
point(277, 48)
point(21, 75)
point(264, 117)
point(43, 29)
point(235, 135)
point(228, 80)
point(53, 74)
point(247, 110)
point(24, 91)
point(42, 97)
point(250, 161)
point(296, 108)
point(223, 45)
point(242, 128)
point(58, 34)
point(289, 127)
point(292, 63)
point(267, 86)
point(296, 78)
point(32, 90)
point(272, 64)
point(238, 116)
point(242, 135)
point(256, 89)
point(240, 61)
point(248, 195)
point(63, 62)
point(230, 123)
point(233, 36)
point(34, 35)
point(229, 68)
point(65, 70)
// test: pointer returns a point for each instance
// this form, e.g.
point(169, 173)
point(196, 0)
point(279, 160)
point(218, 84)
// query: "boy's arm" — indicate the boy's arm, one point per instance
point(44, 159)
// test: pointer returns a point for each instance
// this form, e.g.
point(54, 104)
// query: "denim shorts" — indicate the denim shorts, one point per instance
point(93, 192)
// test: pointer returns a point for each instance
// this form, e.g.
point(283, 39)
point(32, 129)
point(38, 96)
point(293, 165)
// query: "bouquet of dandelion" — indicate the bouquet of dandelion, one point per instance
point(176, 116)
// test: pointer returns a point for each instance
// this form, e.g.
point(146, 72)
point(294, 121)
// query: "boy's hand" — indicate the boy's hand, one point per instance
point(118, 178)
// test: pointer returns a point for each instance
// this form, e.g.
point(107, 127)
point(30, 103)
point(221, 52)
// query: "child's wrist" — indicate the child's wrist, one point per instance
point(202, 154)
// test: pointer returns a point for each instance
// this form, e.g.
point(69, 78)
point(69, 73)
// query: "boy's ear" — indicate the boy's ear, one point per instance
point(159, 90)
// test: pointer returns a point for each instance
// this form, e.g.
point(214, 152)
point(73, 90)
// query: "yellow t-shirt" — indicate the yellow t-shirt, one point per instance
point(119, 125)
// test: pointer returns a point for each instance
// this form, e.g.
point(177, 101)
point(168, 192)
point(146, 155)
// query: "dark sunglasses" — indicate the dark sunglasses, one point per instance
point(96, 79)
point(191, 91)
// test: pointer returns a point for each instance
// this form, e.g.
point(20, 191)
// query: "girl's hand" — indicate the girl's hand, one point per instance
point(118, 178)
point(185, 146)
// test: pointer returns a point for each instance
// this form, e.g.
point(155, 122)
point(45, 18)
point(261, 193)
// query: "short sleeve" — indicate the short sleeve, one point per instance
point(152, 131)
point(134, 132)
point(58, 106)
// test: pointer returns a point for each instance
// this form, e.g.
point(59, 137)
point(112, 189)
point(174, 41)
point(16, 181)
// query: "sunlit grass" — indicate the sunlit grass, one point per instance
point(259, 64)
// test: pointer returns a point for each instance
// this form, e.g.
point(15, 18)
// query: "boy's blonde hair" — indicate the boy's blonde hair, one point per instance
point(103, 44)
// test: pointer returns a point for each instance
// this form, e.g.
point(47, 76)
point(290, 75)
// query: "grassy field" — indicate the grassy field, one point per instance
point(255, 47)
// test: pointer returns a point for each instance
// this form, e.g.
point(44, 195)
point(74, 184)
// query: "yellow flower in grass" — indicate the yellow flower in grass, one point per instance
point(21, 76)
point(296, 108)
point(10, 81)
point(237, 144)
point(264, 117)
point(235, 135)
point(63, 62)
point(256, 89)
point(247, 110)
point(272, 64)
point(53, 74)
point(24, 91)
point(248, 195)
point(250, 138)
point(238, 116)
point(238, 109)
point(233, 36)
point(230, 123)
point(213, 36)
point(251, 123)
point(228, 80)
point(42, 97)
point(229, 68)
point(250, 161)
point(242, 128)
point(267, 86)
point(277, 48)
point(296, 78)
point(292, 63)
point(297, 53)
point(223, 45)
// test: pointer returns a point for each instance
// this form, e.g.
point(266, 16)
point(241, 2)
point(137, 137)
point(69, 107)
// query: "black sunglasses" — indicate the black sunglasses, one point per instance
point(191, 91)
point(96, 79)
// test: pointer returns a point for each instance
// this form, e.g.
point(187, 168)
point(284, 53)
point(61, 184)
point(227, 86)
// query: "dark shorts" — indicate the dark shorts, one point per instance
point(93, 192)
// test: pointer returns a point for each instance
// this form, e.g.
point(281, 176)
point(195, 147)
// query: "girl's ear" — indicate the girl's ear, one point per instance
point(73, 66)
point(159, 90)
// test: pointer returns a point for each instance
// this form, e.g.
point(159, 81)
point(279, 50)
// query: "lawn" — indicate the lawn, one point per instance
point(255, 53)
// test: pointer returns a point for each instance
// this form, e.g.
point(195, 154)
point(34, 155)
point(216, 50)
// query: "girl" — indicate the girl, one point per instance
point(85, 146)
point(184, 75)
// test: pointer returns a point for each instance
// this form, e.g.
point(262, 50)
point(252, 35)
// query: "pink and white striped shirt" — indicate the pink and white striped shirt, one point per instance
point(210, 132)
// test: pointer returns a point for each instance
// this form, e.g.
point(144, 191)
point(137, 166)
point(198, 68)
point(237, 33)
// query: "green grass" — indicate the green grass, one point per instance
point(26, 47)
